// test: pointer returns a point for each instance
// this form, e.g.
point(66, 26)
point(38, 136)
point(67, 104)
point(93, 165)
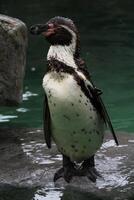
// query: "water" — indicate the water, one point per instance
point(27, 167)
point(106, 30)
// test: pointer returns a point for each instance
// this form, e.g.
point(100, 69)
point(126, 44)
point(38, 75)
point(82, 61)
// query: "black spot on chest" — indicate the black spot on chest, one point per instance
point(73, 146)
point(66, 117)
point(77, 114)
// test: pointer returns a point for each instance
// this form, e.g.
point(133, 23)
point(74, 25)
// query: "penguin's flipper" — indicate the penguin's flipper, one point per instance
point(47, 122)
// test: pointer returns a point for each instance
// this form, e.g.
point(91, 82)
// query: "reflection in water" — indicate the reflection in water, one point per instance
point(22, 110)
point(6, 118)
point(28, 94)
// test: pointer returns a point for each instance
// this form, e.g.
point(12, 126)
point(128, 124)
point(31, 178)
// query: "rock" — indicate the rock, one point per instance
point(13, 44)
point(26, 163)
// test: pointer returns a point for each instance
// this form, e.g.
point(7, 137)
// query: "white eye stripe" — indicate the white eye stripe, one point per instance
point(69, 30)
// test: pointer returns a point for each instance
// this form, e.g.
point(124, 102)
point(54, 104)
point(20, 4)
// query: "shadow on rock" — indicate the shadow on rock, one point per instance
point(8, 192)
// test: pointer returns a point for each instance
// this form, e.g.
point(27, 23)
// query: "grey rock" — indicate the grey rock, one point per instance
point(13, 44)
point(26, 162)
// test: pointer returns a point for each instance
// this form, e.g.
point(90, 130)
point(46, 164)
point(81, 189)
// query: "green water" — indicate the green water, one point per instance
point(107, 39)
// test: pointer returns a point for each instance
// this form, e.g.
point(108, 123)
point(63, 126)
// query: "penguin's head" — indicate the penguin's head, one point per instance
point(57, 31)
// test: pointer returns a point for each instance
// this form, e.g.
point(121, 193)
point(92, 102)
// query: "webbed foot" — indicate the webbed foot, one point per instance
point(91, 173)
point(88, 169)
point(58, 174)
point(67, 171)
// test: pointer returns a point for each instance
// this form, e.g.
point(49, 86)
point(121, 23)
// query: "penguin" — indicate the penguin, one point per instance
point(74, 114)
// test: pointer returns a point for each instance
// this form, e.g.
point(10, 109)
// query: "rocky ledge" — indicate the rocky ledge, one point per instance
point(27, 165)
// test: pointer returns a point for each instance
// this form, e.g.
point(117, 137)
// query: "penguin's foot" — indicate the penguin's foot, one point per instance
point(88, 169)
point(67, 171)
point(59, 174)
point(91, 173)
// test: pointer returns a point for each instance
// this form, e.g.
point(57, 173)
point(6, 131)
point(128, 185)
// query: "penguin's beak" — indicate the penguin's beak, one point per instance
point(45, 29)
point(38, 29)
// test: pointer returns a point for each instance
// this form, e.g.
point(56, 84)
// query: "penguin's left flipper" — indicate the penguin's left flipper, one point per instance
point(47, 122)
point(94, 95)
point(97, 102)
